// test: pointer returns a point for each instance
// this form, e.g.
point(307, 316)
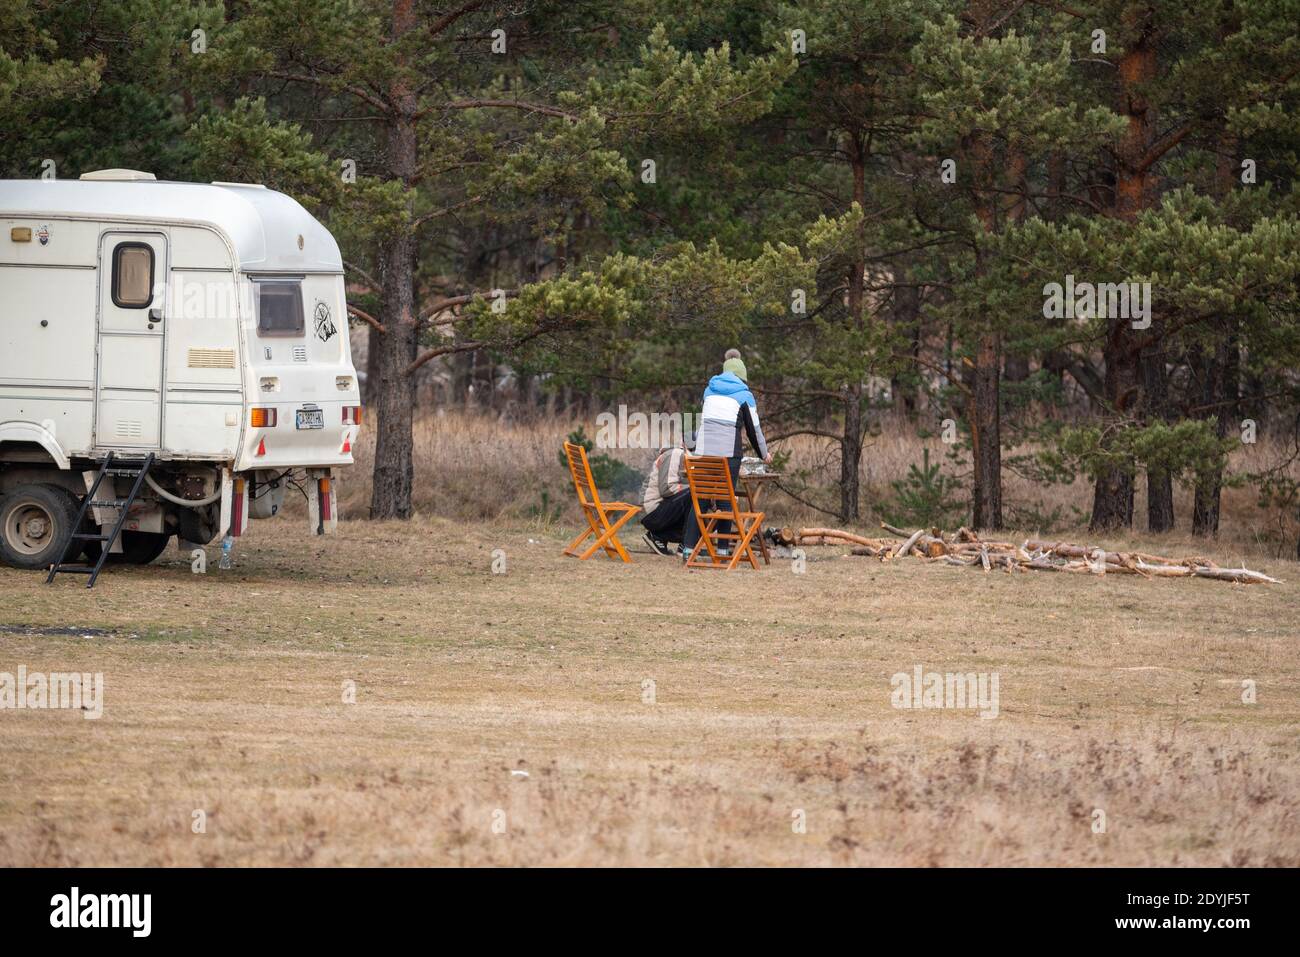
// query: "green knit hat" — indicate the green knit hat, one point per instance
point(735, 365)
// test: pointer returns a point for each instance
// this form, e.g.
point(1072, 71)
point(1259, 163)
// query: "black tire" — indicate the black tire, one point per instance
point(36, 523)
point(89, 549)
point(139, 548)
point(197, 525)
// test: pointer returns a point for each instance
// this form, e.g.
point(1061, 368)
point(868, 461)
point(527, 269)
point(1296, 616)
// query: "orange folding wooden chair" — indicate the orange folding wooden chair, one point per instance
point(714, 499)
point(597, 513)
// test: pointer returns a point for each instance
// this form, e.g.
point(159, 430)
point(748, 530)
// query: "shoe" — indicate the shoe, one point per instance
point(660, 548)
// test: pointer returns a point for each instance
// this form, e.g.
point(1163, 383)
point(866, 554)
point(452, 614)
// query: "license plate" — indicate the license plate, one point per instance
point(311, 419)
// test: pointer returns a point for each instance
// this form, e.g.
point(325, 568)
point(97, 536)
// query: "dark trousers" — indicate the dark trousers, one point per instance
point(667, 521)
point(691, 532)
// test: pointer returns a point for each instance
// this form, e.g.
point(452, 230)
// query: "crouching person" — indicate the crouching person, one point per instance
point(666, 501)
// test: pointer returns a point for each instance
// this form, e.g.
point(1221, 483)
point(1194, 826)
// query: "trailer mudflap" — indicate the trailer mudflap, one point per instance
point(234, 504)
point(102, 515)
point(322, 507)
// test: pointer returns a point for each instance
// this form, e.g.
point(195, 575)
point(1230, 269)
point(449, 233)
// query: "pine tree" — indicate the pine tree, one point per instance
point(996, 106)
point(460, 110)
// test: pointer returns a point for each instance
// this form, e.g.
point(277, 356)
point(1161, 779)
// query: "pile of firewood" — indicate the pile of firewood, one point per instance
point(964, 547)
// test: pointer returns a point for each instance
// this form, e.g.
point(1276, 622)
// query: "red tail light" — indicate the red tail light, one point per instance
point(352, 415)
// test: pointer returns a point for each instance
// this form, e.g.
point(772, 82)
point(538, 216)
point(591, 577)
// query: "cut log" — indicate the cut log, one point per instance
point(907, 545)
point(1067, 550)
point(966, 549)
point(1242, 575)
point(832, 533)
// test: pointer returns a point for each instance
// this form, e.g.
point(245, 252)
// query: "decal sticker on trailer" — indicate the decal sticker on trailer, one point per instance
point(324, 322)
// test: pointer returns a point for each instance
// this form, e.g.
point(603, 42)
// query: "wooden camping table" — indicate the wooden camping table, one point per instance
point(751, 486)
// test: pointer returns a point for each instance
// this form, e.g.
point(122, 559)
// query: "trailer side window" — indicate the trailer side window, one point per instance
point(132, 275)
point(279, 308)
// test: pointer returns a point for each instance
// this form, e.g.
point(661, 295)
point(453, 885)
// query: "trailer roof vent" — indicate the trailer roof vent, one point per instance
point(119, 176)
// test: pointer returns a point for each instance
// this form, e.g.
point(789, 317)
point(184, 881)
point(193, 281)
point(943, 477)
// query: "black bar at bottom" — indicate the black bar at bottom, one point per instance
point(937, 908)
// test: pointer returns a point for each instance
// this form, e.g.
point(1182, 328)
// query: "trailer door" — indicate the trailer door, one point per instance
point(133, 271)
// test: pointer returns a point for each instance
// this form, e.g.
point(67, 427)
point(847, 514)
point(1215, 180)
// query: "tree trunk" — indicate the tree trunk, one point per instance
point(851, 455)
point(907, 318)
point(1205, 510)
point(1160, 501)
point(1160, 485)
point(985, 400)
point(395, 393)
point(1112, 501)
point(985, 419)
point(1217, 372)
point(1218, 395)
point(1112, 496)
point(1015, 368)
point(851, 440)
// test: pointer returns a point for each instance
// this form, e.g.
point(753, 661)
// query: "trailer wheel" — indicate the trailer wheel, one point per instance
point(89, 549)
point(36, 524)
point(197, 525)
point(139, 548)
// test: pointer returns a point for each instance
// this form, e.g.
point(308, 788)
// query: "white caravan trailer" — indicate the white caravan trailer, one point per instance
point(198, 333)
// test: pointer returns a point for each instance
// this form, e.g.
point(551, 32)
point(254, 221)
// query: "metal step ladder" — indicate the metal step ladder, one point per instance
point(113, 466)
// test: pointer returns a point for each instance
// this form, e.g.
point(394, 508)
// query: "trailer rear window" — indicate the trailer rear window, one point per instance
point(132, 275)
point(279, 308)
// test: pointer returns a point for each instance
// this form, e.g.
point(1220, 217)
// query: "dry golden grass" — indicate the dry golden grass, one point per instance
point(477, 467)
point(223, 693)
point(473, 466)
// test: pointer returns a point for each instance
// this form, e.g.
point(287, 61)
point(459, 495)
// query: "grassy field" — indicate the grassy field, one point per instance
point(593, 713)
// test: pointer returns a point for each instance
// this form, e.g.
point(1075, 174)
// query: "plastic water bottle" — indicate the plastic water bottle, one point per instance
point(227, 545)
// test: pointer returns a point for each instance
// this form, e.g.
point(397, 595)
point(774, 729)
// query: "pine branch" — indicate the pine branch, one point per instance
point(479, 104)
point(366, 317)
point(323, 83)
point(472, 346)
point(369, 280)
point(451, 16)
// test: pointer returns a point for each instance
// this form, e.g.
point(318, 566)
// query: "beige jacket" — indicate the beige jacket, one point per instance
point(666, 478)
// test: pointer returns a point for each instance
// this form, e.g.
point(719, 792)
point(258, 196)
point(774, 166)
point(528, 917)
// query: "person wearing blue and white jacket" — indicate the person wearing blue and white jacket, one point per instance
point(729, 410)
